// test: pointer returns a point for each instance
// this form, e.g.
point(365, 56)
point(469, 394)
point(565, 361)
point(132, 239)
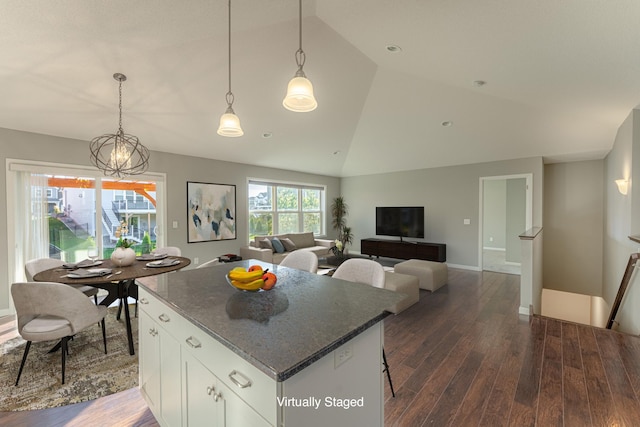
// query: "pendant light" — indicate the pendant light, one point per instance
point(119, 154)
point(299, 96)
point(229, 122)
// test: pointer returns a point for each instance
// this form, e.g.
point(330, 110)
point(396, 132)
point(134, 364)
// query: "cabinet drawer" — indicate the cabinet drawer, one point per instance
point(245, 380)
point(160, 313)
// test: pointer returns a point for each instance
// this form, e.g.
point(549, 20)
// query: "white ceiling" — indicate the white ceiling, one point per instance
point(561, 77)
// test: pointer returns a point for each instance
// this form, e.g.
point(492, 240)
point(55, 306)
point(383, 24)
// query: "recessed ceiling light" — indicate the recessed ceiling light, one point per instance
point(394, 48)
point(479, 83)
point(267, 135)
point(447, 124)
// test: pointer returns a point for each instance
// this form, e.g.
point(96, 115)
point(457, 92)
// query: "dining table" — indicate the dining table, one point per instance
point(119, 282)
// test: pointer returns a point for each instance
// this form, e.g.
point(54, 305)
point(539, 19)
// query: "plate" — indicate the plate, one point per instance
point(90, 272)
point(162, 263)
point(81, 264)
point(151, 257)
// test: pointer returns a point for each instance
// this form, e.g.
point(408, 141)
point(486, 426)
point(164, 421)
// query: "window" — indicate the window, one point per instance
point(278, 208)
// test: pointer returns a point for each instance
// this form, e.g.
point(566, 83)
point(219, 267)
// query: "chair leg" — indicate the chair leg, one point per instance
point(386, 369)
point(95, 299)
point(24, 359)
point(104, 336)
point(119, 310)
point(65, 351)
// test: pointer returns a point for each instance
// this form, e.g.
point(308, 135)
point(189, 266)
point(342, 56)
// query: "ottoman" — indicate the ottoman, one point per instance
point(404, 284)
point(431, 275)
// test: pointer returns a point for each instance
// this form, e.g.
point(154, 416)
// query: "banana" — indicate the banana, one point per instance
point(245, 276)
point(248, 286)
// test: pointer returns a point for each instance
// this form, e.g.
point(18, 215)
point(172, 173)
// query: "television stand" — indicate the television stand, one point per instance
point(404, 250)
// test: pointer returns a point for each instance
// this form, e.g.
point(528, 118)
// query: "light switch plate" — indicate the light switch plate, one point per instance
point(467, 221)
point(175, 224)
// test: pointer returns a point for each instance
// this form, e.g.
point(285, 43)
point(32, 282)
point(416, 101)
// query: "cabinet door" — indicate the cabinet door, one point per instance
point(170, 380)
point(237, 412)
point(204, 406)
point(149, 354)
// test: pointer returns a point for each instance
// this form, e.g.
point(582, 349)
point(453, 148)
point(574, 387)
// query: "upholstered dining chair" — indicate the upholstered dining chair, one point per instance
point(301, 260)
point(371, 273)
point(361, 270)
point(51, 311)
point(209, 263)
point(169, 250)
point(35, 266)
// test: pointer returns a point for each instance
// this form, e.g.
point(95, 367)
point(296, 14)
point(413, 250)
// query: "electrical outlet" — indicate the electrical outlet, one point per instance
point(343, 354)
point(175, 224)
point(196, 260)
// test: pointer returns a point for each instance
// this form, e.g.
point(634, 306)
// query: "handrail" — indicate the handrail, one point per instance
point(624, 284)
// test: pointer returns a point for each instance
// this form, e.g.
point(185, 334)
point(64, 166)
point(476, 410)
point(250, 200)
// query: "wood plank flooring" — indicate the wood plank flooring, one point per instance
point(463, 356)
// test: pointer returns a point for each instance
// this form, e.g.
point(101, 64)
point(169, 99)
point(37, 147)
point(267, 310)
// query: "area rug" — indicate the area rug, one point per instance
point(90, 373)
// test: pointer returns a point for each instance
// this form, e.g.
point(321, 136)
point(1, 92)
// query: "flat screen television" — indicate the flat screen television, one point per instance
point(402, 221)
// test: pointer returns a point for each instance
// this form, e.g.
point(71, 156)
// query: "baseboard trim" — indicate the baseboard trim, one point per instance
point(464, 267)
point(526, 311)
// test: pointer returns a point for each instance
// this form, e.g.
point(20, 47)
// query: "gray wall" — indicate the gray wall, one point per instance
point(449, 195)
point(573, 226)
point(179, 170)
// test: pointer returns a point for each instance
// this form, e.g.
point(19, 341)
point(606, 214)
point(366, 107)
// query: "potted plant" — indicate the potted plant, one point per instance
point(339, 211)
point(123, 255)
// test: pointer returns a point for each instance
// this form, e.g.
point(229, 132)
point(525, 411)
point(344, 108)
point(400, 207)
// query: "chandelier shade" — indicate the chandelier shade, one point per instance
point(120, 154)
point(299, 97)
point(229, 122)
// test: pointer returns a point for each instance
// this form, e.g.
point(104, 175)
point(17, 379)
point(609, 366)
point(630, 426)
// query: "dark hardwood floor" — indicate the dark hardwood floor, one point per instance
point(463, 356)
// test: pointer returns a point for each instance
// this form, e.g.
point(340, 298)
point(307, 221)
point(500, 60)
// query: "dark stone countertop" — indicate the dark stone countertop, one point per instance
point(281, 331)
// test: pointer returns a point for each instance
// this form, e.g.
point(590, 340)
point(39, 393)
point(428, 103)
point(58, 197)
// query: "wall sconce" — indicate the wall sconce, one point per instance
point(623, 186)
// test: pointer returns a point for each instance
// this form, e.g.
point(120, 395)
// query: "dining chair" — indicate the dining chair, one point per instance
point(50, 311)
point(301, 260)
point(133, 289)
point(366, 271)
point(35, 266)
point(209, 263)
point(169, 250)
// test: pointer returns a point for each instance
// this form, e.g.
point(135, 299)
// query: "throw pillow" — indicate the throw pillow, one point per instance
point(266, 244)
point(277, 245)
point(289, 246)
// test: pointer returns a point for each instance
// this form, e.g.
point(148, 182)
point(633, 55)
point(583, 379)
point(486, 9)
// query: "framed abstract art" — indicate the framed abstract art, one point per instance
point(211, 210)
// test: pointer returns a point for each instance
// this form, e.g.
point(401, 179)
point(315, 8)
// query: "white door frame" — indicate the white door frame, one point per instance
point(528, 207)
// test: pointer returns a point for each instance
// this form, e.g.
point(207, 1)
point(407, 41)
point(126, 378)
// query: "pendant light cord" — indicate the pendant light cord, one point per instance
point(229, 93)
point(300, 56)
point(120, 131)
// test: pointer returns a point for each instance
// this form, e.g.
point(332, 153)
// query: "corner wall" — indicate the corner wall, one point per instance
point(621, 219)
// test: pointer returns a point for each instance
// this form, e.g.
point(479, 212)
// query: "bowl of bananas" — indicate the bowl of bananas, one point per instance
point(252, 279)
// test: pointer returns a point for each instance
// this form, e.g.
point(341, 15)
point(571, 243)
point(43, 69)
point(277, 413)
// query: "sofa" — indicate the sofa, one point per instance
point(268, 251)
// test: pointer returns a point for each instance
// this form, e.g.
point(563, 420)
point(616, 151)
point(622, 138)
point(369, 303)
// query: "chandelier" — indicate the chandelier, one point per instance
point(119, 154)
point(299, 96)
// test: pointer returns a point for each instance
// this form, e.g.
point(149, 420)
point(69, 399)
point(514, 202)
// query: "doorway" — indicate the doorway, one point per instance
point(505, 212)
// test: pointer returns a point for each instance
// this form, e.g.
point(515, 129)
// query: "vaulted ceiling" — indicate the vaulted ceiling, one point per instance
point(561, 76)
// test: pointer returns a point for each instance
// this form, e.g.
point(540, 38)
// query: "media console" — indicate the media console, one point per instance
point(404, 250)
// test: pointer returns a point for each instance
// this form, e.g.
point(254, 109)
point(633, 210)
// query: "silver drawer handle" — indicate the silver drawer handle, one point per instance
point(164, 318)
point(143, 301)
point(193, 342)
point(153, 332)
point(234, 374)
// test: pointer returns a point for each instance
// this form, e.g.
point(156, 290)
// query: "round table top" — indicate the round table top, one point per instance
point(137, 269)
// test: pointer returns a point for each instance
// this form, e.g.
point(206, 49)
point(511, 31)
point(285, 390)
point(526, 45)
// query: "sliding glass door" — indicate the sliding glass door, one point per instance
point(61, 212)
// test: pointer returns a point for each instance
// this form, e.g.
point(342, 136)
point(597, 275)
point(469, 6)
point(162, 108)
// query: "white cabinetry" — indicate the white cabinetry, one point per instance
point(188, 378)
point(177, 365)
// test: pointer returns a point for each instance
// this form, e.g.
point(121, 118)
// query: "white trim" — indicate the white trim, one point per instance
point(464, 267)
point(486, 248)
point(524, 311)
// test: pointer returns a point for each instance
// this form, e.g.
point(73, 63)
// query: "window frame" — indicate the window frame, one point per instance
point(300, 211)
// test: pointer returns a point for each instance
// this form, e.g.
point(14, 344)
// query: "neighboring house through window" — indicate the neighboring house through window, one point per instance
point(283, 207)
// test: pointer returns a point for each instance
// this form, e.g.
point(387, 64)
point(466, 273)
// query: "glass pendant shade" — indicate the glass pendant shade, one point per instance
point(230, 124)
point(299, 96)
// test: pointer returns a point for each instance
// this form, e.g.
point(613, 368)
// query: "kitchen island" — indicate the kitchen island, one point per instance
point(307, 352)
